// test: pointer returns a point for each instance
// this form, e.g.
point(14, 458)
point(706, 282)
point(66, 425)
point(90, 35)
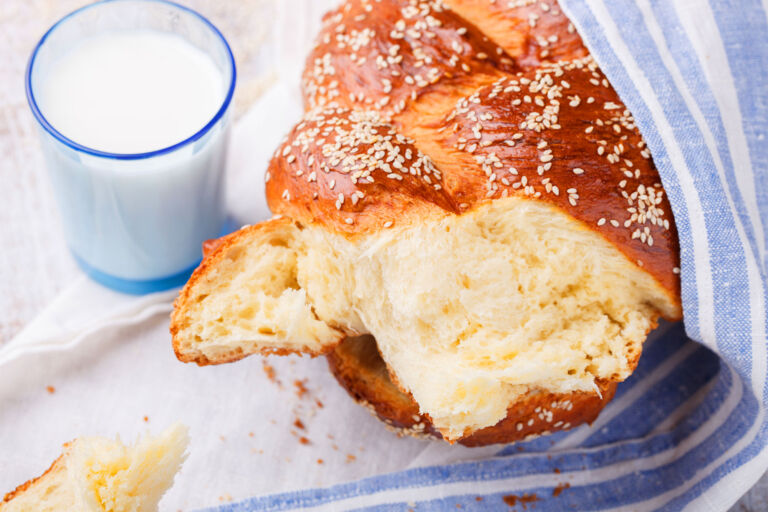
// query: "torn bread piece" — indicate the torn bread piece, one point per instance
point(470, 312)
point(95, 474)
point(360, 370)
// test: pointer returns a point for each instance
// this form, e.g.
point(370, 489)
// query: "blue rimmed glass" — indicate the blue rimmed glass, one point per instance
point(135, 222)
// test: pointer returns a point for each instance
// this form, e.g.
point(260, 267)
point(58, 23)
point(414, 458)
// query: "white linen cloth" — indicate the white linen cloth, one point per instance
point(686, 431)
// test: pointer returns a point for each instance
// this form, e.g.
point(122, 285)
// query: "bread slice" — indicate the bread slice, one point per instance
point(97, 474)
point(359, 368)
point(471, 312)
point(247, 297)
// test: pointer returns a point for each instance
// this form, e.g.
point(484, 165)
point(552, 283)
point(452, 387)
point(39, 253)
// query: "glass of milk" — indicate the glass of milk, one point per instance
point(132, 99)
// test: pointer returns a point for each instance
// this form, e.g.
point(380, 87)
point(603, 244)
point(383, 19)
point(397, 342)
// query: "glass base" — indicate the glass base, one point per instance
point(134, 287)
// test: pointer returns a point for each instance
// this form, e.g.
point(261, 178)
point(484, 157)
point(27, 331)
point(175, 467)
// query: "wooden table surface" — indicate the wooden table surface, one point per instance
point(35, 264)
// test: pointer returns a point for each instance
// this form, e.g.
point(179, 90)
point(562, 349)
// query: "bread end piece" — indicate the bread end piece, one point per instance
point(98, 474)
point(244, 299)
point(360, 370)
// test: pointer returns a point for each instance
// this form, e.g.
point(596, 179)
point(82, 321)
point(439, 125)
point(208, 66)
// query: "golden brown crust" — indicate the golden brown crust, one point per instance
point(533, 32)
point(383, 54)
point(360, 370)
point(411, 60)
point(57, 465)
point(215, 252)
point(210, 245)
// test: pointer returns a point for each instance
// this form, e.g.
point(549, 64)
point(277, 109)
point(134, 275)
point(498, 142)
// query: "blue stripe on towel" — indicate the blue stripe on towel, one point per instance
point(680, 47)
point(746, 44)
point(732, 320)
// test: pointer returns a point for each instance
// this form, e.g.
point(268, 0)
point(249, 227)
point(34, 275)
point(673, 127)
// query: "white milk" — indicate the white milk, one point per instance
point(126, 80)
point(131, 91)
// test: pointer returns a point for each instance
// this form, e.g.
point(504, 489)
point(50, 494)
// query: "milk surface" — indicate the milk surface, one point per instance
point(131, 91)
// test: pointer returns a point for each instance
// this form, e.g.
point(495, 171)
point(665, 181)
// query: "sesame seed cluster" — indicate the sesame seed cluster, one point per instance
point(340, 161)
point(381, 54)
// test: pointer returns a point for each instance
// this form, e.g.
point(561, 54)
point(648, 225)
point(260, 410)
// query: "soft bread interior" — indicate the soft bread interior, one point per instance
point(248, 300)
point(469, 311)
point(97, 474)
point(359, 368)
point(51, 492)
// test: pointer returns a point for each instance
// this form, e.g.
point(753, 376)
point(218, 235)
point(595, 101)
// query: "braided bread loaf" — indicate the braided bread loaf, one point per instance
point(468, 188)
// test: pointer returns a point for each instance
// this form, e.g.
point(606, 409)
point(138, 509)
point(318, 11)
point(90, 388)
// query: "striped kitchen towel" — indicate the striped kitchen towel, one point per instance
point(688, 430)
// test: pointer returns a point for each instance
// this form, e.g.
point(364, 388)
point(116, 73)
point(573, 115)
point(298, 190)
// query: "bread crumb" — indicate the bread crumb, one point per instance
point(524, 500)
point(304, 440)
point(298, 424)
point(479, 498)
point(351, 458)
point(50, 389)
point(319, 404)
point(319, 461)
point(301, 388)
point(250, 434)
point(269, 371)
point(560, 488)
point(557, 471)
